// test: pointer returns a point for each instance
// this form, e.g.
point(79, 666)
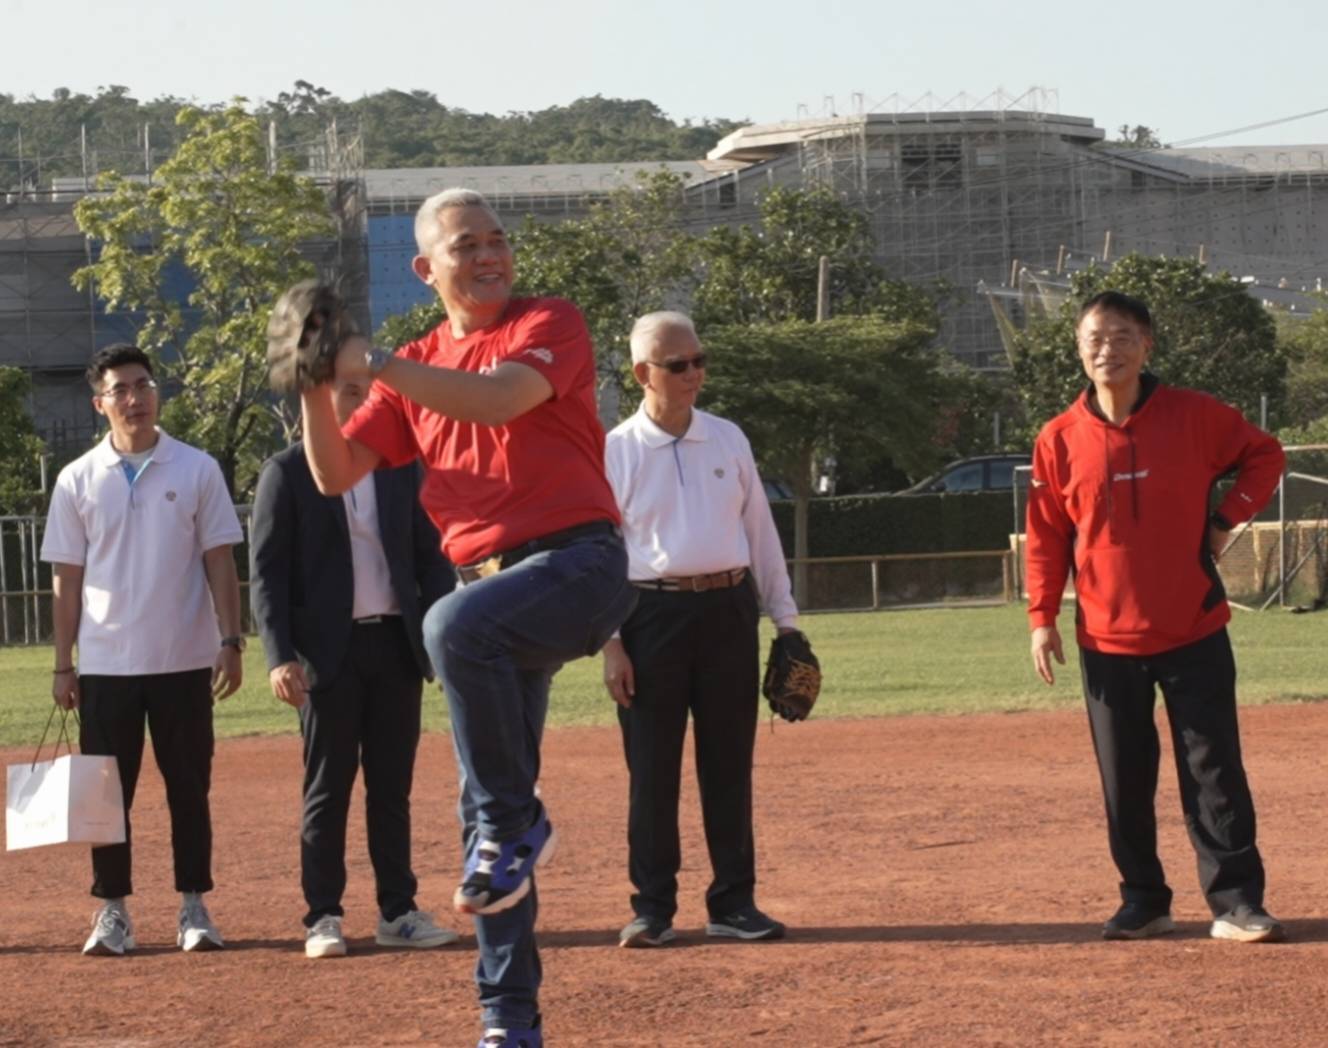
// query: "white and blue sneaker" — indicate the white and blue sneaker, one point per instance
point(497, 874)
point(414, 930)
point(112, 931)
point(513, 1037)
point(196, 932)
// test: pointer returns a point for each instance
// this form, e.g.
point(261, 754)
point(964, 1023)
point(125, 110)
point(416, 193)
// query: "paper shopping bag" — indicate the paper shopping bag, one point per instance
point(74, 799)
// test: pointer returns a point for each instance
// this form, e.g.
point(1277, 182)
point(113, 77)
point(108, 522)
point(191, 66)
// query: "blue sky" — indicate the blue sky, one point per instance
point(1188, 70)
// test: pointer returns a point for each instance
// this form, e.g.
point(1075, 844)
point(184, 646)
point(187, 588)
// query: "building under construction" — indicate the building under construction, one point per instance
point(975, 195)
point(987, 193)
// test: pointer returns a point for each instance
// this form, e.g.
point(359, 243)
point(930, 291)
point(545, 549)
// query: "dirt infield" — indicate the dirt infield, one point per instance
point(944, 880)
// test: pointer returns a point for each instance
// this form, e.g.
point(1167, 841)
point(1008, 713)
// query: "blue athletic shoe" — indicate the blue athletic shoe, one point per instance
point(512, 1037)
point(497, 874)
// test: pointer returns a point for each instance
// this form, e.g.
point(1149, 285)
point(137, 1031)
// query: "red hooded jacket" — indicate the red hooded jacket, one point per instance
point(1128, 506)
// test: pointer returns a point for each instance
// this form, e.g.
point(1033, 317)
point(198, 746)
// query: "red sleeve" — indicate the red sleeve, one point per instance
point(1256, 456)
point(382, 424)
point(553, 339)
point(1050, 537)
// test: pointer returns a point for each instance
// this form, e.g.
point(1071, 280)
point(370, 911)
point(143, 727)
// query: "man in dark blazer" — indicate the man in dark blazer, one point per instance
point(339, 587)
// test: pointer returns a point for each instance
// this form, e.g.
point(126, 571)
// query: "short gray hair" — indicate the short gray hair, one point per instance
point(648, 327)
point(426, 218)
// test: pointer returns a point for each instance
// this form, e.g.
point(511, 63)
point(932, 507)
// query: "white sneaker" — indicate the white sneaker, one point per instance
point(196, 930)
point(324, 939)
point(112, 932)
point(414, 929)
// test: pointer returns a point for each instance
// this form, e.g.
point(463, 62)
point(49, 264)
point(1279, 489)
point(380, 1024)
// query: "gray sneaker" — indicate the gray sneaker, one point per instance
point(646, 931)
point(1248, 924)
point(112, 932)
point(414, 929)
point(324, 939)
point(197, 932)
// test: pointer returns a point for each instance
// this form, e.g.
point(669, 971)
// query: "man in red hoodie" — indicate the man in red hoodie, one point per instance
point(1120, 492)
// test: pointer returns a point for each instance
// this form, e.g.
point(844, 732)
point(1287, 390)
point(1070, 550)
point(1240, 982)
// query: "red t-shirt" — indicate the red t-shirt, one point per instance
point(492, 488)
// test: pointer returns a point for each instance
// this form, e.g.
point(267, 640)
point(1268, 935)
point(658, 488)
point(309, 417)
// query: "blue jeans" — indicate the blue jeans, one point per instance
point(496, 644)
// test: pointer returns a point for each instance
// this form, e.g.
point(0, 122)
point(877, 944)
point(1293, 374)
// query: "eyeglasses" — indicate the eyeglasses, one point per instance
point(1116, 341)
point(121, 392)
point(677, 367)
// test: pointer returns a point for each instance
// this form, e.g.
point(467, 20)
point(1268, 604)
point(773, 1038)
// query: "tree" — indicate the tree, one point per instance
point(628, 256)
point(1305, 342)
point(768, 273)
point(1209, 334)
point(853, 387)
point(1137, 137)
point(20, 447)
point(234, 228)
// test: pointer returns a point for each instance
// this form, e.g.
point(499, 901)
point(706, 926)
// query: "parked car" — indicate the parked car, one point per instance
point(979, 473)
point(776, 489)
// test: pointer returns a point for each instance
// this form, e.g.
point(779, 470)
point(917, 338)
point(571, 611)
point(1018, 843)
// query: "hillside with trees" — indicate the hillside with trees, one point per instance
point(40, 138)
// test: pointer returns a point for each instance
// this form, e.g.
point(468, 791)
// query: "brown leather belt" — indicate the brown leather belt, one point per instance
point(482, 569)
point(695, 583)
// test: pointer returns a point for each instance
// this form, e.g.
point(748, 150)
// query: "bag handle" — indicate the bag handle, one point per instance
point(64, 733)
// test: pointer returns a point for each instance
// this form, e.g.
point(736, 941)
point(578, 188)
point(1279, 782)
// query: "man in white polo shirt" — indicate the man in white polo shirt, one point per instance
point(139, 534)
point(702, 549)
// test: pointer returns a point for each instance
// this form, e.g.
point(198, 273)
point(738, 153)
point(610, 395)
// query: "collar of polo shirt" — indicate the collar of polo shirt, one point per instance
point(162, 451)
point(655, 437)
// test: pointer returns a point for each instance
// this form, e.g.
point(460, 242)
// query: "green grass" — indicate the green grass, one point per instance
point(951, 661)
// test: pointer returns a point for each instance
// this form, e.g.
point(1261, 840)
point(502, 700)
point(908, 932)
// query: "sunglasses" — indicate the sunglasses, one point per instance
point(677, 367)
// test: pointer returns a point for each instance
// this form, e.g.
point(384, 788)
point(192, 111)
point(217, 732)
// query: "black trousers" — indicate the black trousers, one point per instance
point(369, 715)
point(177, 710)
point(697, 653)
point(1198, 683)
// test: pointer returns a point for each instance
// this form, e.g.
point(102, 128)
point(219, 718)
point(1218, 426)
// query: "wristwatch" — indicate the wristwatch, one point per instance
point(376, 359)
point(233, 642)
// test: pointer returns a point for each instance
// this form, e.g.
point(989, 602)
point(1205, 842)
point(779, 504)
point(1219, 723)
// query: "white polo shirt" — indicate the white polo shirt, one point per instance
point(146, 604)
point(694, 505)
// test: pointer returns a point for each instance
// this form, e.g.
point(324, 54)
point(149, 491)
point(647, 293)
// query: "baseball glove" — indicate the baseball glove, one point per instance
point(307, 326)
point(792, 676)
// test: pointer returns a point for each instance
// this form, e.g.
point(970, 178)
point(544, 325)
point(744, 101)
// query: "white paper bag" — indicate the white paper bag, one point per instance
point(74, 799)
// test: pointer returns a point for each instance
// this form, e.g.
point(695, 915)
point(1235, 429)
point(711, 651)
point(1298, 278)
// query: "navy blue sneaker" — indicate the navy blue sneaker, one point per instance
point(512, 1037)
point(1136, 920)
point(497, 874)
point(747, 923)
point(646, 931)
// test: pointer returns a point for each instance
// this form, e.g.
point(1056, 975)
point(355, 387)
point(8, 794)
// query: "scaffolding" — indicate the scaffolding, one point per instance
point(965, 192)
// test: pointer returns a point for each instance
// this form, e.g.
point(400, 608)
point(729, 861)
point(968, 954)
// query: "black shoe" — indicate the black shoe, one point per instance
point(1136, 920)
point(646, 931)
point(747, 923)
point(1248, 924)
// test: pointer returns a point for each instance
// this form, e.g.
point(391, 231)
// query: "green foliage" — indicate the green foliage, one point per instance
point(1137, 137)
point(413, 324)
point(628, 256)
point(769, 273)
point(1305, 342)
point(20, 447)
point(872, 525)
point(235, 227)
point(852, 387)
point(399, 129)
point(1209, 334)
point(1314, 463)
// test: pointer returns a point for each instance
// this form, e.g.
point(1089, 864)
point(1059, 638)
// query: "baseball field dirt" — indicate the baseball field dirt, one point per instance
point(944, 880)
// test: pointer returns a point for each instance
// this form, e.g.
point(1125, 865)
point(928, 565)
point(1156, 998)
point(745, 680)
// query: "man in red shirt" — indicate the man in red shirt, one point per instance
point(1120, 492)
point(498, 403)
